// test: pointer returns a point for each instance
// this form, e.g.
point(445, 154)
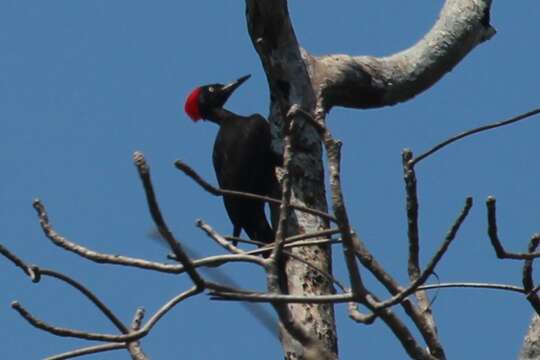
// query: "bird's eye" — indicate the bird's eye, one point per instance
point(211, 89)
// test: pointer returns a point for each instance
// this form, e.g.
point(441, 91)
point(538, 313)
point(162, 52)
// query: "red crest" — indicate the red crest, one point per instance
point(192, 105)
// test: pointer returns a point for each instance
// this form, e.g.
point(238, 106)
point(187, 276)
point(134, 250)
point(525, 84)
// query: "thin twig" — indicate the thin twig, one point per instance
point(255, 259)
point(65, 332)
point(87, 351)
point(132, 336)
point(144, 173)
point(164, 310)
point(281, 298)
point(358, 317)
point(36, 273)
point(218, 260)
point(314, 234)
point(137, 319)
point(291, 241)
point(102, 258)
point(17, 261)
point(528, 282)
point(473, 131)
point(412, 215)
point(465, 285)
point(245, 241)
point(95, 256)
point(134, 347)
point(434, 260)
point(427, 325)
point(90, 295)
point(350, 242)
point(295, 244)
point(368, 260)
point(276, 256)
point(348, 296)
point(214, 235)
point(494, 237)
point(333, 151)
point(277, 281)
point(186, 169)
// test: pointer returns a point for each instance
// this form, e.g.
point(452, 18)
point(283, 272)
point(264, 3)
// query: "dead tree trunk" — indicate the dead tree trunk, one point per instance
point(315, 85)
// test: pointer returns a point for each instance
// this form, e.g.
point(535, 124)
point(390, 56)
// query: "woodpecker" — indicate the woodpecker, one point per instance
point(242, 156)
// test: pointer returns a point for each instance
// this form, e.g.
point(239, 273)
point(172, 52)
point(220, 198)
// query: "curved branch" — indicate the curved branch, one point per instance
point(95, 256)
point(367, 82)
point(460, 136)
point(494, 237)
point(131, 336)
point(36, 273)
point(422, 277)
point(155, 212)
point(348, 296)
point(528, 280)
point(90, 295)
point(186, 169)
point(87, 351)
point(504, 287)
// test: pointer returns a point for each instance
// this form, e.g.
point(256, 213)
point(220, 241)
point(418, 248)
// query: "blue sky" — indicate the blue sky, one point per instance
point(84, 84)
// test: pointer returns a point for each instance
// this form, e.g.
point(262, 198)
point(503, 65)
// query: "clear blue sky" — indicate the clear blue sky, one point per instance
point(84, 84)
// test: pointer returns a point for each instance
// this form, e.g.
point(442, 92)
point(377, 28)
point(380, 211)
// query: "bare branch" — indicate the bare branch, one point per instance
point(87, 351)
point(65, 332)
point(296, 244)
point(472, 132)
point(281, 298)
point(427, 325)
point(528, 282)
point(277, 263)
point(144, 173)
point(101, 258)
point(36, 273)
point(367, 81)
point(18, 262)
point(348, 296)
point(412, 216)
point(217, 260)
point(220, 192)
point(467, 285)
point(286, 68)
point(434, 260)
point(351, 243)
point(494, 237)
point(322, 233)
point(276, 266)
point(89, 294)
point(134, 347)
point(358, 317)
point(137, 319)
point(214, 235)
point(333, 150)
point(245, 241)
point(164, 310)
point(132, 336)
point(94, 256)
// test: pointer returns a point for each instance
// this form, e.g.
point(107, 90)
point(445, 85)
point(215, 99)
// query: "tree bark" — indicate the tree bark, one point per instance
point(316, 84)
point(531, 344)
point(274, 39)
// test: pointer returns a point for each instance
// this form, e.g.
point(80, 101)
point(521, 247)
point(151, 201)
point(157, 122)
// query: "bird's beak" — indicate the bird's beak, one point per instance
point(228, 89)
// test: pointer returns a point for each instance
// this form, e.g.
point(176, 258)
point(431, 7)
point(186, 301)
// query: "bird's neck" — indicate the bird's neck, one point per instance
point(220, 116)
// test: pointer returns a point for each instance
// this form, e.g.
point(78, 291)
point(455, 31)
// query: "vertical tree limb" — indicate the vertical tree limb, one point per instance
point(273, 37)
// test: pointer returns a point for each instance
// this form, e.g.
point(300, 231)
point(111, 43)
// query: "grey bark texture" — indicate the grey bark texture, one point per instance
point(316, 84)
point(531, 344)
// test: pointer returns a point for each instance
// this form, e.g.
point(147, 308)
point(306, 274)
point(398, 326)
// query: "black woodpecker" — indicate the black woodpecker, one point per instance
point(242, 156)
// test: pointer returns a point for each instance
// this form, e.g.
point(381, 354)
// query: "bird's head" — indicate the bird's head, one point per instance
point(202, 100)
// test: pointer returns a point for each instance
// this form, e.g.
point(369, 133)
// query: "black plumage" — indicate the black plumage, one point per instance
point(242, 157)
